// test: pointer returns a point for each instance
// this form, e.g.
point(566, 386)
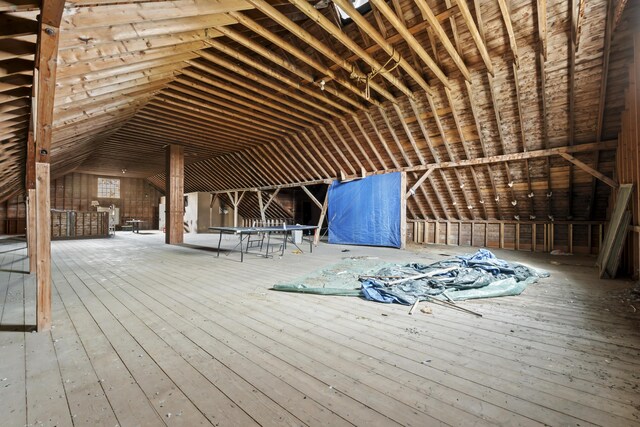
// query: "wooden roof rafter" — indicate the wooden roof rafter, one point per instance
point(327, 74)
point(339, 35)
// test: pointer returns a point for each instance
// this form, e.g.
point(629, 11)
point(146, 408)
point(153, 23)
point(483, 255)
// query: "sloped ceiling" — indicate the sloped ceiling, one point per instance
point(265, 93)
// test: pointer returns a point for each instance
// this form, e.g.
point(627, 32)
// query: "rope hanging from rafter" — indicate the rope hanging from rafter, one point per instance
point(366, 79)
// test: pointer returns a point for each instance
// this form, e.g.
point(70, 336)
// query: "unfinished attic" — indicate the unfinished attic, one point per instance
point(169, 168)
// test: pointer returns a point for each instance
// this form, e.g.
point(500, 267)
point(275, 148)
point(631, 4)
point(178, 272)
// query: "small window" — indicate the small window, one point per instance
point(109, 188)
point(362, 6)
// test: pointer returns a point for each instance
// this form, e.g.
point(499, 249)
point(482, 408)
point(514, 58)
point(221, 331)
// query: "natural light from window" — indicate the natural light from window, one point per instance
point(109, 188)
point(355, 3)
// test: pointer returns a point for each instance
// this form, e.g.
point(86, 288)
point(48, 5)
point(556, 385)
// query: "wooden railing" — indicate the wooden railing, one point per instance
point(580, 237)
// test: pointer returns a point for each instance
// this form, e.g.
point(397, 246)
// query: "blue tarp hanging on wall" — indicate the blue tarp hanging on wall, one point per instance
point(366, 212)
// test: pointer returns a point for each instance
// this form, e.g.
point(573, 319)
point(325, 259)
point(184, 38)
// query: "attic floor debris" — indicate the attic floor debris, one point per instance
point(153, 334)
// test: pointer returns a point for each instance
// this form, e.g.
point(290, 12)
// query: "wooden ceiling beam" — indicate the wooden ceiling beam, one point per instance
point(104, 108)
point(506, 16)
point(382, 140)
point(220, 124)
point(243, 116)
point(534, 154)
point(15, 81)
point(252, 89)
point(287, 65)
point(226, 118)
point(410, 40)
point(341, 152)
point(267, 83)
point(104, 84)
point(326, 72)
point(599, 175)
point(268, 114)
point(213, 137)
point(250, 96)
point(276, 75)
point(295, 155)
point(365, 136)
point(195, 115)
point(66, 90)
point(122, 63)
point(316, 157)
point(125, 69)
point(320, 47)
point(404, 153)
point(107, 34)
point(275, 154)
point(118, 48)
point(475, 34)
point(124, 95)
point(345, 164)
point(211, 143)
point(103, 15)
point(339, 35)
point(186, 129)
point(321, 147)
point(113, 90)
point(272, 171)
point(73, 131)
point(444, 38)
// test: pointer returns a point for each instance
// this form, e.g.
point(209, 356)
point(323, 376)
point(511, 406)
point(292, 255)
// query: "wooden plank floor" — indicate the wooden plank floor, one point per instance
point(148, 334)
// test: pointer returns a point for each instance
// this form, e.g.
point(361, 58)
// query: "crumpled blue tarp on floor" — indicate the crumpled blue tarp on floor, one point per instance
point(478, 275)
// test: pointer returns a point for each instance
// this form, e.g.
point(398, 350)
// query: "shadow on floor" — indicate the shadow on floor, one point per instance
point(5, 270)
point(203, 248)
point(17, 328)
point(13, 250)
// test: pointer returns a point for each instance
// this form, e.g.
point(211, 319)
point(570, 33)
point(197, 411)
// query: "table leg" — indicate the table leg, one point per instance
point(268, 241)
point(219, 241)
point(241, 251)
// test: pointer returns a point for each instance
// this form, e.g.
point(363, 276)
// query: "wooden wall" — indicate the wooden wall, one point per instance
point(138, 199)
point(571, 237)
point(628, 158)
point(13, 216)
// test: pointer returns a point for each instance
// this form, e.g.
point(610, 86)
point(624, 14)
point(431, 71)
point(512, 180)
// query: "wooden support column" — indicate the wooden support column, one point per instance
point(43, 248)
point(175, 195)
point(38, 153)
point(263, 217)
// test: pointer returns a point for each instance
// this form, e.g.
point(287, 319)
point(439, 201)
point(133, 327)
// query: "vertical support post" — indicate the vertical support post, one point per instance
point(403, 210)
point(323, 214)
point(43, 248)
point(534, 238)
point(263, 216)
point(570, 238)
point(175, 195)
point(31, 228)
point(236, 202)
